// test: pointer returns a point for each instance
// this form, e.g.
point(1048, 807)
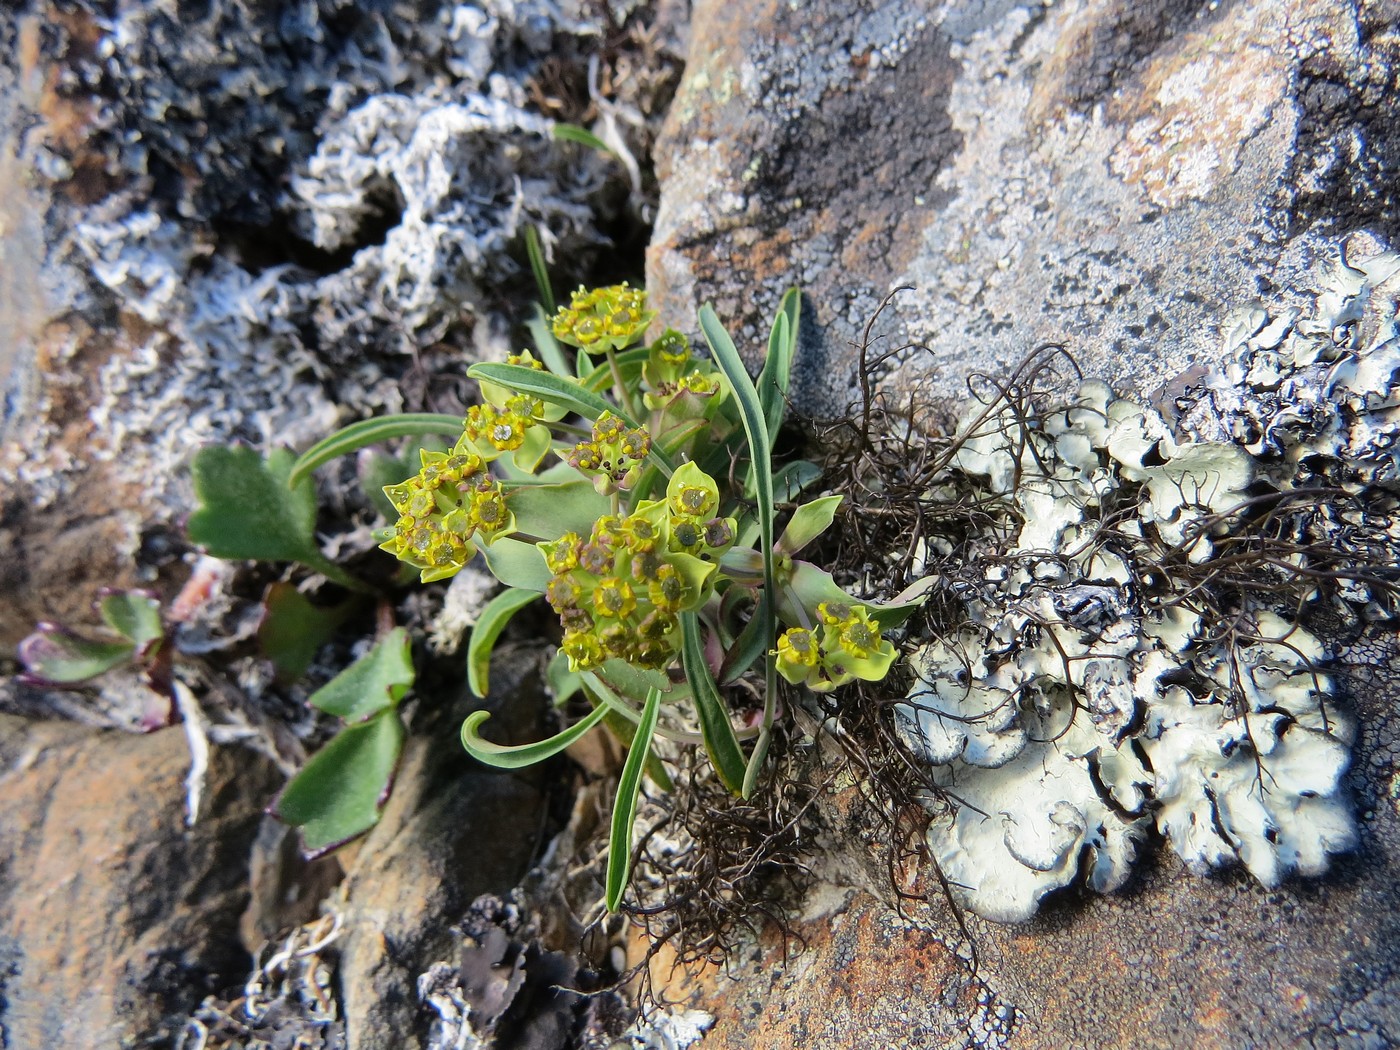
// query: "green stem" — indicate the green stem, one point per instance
point(619, 387)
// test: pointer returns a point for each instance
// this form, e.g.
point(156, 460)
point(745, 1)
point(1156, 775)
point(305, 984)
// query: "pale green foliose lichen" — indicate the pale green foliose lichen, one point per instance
point(1081, 704)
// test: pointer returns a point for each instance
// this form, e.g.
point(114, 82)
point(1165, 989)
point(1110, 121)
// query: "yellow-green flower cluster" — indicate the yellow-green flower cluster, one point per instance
point(443, 509)
point(846, 644)
point(618, 593)
point(604, 318)
point(693, 525)
point(614, 456)
point(672, 382)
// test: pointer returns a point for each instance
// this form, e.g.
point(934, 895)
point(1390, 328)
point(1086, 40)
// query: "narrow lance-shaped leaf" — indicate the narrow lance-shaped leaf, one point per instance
point(537, 265)
point(489, 625)
point(760, 450)
point(371, 432)
point(720, 742)
point(542, 335)
point(337, 794)
point(625, 808)
point(774, 380)
point(375, 681)
point(582, 136)
point(519, 756)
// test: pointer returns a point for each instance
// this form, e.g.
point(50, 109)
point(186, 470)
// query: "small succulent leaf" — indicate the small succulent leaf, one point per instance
point(56, 656)
point(371, 432)
point(376, 681)
point(807, 523)
point(337, 795)
point(718, 732)
point(563, 683)
point(695, 573)
point(521, 755)
point(527, 457)
point(537, 266)
point(625, 807)
point(549, 511)
point(293, 629)
point(133, 615)
point(517, 564)
point(489, 625)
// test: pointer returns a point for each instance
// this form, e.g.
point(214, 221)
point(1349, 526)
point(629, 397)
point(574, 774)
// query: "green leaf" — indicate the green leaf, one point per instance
point(293, 629)
point(563, 683)
point(584, 137)
point(376, 681)
point(540, 270)
point(337, 794)
point(776, 376)
point(134, 616)
point(371, 432)
point(807, 523)
point(624, 729)
point(720, 742)
point(517, 564)
point(809, 586)
point(542, 335)
point(747, 648)
point(489, 625)
point(247, 510)
point(630, 680)
point(791, 479)
point(625, 808)
point(521, 755)
point(761, 470)
point(549, 511)
point(558, 391)
point(53, 654)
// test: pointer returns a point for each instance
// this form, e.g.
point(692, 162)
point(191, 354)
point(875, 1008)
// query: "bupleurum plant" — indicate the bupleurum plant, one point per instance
point(631, 486)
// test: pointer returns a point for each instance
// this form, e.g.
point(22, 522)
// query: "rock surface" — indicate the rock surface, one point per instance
point(1116, 178)
point(114, 913)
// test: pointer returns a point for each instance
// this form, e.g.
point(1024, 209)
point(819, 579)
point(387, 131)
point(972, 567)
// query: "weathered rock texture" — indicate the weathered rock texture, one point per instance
point(114, 913)
point(1117, 178)
point(1111, 176)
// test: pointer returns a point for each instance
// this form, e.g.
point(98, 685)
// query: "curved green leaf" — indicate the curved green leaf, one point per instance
point(521, 755)
point(489, 625)
point(56, 655)
point(371, 432)
point(625, 807)
point(337, 794)
point(720, 741)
